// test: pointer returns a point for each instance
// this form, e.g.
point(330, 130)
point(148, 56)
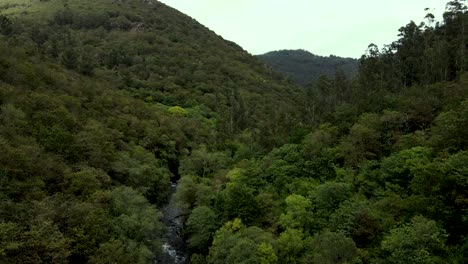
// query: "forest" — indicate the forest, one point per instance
point(104, 104)
point(306, 68)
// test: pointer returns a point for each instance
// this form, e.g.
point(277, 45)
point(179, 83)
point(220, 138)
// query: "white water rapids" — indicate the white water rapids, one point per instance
point(174, 248)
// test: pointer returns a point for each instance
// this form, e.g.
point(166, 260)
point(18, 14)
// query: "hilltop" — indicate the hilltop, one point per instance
point(306, 68)
point(157, 54)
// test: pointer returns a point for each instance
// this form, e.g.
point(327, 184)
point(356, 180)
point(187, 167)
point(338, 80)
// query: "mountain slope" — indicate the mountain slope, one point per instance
point(99, 103)
point(105, 104)
point(159, 55)
point(305, 68)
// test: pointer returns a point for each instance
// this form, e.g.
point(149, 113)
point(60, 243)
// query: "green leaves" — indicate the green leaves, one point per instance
point(13, 120)
point(135, 223)
point(87, 181)
point(421, 241)
point(450, 129)
point(204, 163)
point(177, 110)
point(9, 238)
point(82, 155)
point(238, 200)
point(139, 169)
point(401, 168)
point(234, 243)
point(6, 26)
point(329, 248)
point(45, 243)
point(363, 142)
point(201, 225)
point(266, 254)
point(290, 245)
point(298, 213)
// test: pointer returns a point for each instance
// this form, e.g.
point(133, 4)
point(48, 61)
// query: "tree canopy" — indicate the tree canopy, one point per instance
point(104, 103)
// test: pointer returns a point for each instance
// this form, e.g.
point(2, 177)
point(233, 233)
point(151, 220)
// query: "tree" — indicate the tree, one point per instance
point(44, 242)
point(239, 202)
point(449, 130)
point(342, 86)
point(453, 186)
point(10, 240)
point(87, 181)
point(420, 241)
point(290, 246)
point(409, 53)
point(461, 255)
point(298, 212)
point(6, 26)
point(363, 142)
point(329, 248)
point(177, 110)
point(136, 223)
point(203, 162)
point(13, 120)
point(266, 254)
point(201, 225)
point(357, 218)
point(454, 18)
point(370, 71)
point(406, 166)
point(116, 251)
point(326, 95)
point(139, 169)
point(231, 245)
point(243, 252)
point(326, 198)
point(70, 58)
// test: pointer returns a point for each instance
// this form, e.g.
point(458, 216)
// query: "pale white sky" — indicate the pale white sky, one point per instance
point(323, 27)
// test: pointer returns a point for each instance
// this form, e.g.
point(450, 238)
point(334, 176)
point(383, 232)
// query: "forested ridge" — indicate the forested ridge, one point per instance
point(305, 68)
point(104, 103)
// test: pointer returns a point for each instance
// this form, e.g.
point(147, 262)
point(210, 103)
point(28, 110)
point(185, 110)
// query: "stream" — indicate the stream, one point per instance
point(174, 247)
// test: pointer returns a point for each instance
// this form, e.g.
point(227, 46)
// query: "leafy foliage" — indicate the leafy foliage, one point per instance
point(306, 68)
point(100, 108)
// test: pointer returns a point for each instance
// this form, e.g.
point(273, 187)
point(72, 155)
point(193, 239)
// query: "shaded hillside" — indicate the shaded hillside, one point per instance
point(99, 102)
point(305, 68)
point(159, 55)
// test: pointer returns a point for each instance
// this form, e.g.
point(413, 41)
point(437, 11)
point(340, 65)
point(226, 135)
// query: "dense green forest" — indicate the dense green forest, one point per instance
point(103, 103)
point(305, 68)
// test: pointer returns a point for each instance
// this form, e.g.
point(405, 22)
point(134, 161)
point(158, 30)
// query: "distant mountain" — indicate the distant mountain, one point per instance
point(304, 67)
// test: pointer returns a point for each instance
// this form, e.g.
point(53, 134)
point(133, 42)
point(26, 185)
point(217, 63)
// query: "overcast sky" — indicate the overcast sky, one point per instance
point(324, 27)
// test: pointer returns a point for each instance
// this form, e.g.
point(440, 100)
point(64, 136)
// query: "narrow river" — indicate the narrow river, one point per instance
point(174, 247)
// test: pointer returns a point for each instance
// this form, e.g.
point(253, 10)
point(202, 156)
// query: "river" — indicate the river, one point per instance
point(174, 247)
